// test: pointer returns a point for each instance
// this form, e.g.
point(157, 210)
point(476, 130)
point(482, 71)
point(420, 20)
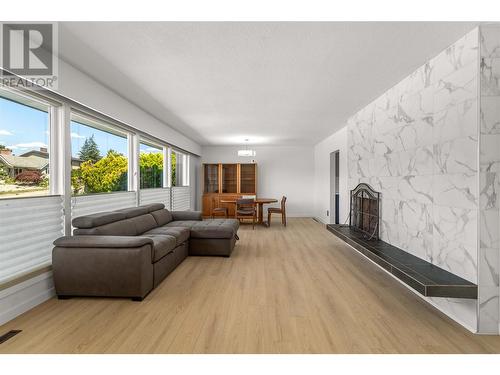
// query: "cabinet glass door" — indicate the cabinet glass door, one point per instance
point(247, 179)
point(211, 178)
point(229, 178)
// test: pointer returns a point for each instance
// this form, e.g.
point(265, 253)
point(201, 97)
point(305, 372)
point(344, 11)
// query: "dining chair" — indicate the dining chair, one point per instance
point(216, 211)
point(245, 209)
point(278, 210)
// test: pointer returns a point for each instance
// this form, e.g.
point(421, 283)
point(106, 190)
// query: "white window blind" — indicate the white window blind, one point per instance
point(90, 204)
point(27, 229)
point(161, 195)
point(181, 198)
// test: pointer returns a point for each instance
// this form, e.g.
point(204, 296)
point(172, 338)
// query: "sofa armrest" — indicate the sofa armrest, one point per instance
point(110, 266)
point(186, 215)
point(103, 241)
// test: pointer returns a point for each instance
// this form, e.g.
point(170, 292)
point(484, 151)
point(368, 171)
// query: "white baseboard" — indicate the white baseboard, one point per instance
point(22, 297)
point(293, 214)
point(319, 219)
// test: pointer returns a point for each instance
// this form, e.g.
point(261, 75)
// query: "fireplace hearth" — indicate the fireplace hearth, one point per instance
point(362, 234)
point(364, 211)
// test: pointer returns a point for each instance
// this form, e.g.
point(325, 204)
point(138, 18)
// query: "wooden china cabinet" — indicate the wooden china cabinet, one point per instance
point(227, 181)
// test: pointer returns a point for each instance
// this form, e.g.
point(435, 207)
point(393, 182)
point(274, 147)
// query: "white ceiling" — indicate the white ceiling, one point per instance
point(274, 83)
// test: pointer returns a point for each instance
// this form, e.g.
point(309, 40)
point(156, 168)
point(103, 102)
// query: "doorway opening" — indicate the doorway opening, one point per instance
point(334, 188)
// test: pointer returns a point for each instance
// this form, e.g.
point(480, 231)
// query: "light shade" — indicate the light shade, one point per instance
point(246, 152)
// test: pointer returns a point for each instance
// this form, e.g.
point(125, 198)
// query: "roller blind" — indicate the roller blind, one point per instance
point(27, 229)
point(161, 195)
point(90, 204)
point(181, 198)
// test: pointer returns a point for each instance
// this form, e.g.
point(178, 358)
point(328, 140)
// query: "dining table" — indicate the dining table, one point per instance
point(260, 202)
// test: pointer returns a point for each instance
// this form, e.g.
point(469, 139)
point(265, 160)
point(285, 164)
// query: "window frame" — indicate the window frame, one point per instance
point(184, 178)
point(162, 148)
point(103, 125)
point(41, 103)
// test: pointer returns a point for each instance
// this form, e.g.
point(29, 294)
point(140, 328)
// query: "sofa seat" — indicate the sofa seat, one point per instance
point(212, 228)
point(162, 245)
point(181, 234)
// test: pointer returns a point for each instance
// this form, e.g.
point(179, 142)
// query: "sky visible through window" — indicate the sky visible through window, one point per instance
point(106, 141)
point(148, 149)
point(22, 128)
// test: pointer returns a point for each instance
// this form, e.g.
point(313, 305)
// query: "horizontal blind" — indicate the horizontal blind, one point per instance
point(181, 198)
point(161, 195)
point(91, 204)
point(28, 226)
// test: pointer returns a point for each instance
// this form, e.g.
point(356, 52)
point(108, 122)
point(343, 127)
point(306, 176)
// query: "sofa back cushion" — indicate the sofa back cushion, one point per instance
point(97, 219)
point(162, 216)
point(133, 211)
point(102, 218)
point(131, 221)
point(144, 223)
point(119, 228)
point(128, 227)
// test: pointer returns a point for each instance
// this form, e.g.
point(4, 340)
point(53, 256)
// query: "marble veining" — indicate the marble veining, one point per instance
point(489, 163)
point(490, 76)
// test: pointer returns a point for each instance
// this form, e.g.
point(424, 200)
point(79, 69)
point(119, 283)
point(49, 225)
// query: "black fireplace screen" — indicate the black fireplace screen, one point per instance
point(364, 213)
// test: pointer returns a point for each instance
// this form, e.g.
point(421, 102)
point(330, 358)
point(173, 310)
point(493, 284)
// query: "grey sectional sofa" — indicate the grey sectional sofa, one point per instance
point(127, 253)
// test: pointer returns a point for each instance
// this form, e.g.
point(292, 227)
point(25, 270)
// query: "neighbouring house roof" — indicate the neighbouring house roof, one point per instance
point(45, 155)
point(42, 154)
point(31, 162)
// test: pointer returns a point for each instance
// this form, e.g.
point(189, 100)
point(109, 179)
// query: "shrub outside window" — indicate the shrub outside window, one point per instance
point(151, 166)
point(99, 158)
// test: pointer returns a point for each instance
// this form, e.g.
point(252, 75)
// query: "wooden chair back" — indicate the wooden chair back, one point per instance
point(245, 203)
point(283, 203)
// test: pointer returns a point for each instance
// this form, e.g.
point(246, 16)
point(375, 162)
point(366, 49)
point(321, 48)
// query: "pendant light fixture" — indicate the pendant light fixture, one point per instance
point(246, 151)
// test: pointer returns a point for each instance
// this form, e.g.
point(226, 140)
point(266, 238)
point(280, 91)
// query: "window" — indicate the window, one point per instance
point(179, 173)
point(24, 146)
point(99, 157)
point(151, 166)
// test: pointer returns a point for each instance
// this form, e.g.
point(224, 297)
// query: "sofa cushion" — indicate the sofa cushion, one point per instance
point(162, 216)
point(162, 245)
point(187, 215)
point(133, 211)
point(181, 223)
point(100, 218)
point(144, 223)
point(155, 206)
point(119, 228)
point(181, 234)
point(212, 228)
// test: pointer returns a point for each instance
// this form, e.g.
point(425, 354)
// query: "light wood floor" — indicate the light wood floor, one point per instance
point(293, 290)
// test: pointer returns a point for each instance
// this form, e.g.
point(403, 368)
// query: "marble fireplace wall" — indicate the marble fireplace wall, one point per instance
point(489, 185)
point(418, 145)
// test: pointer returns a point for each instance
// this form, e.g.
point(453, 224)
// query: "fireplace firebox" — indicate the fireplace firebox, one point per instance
point(364, 211)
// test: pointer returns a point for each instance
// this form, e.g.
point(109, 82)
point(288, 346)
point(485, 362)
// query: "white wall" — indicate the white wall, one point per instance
point(489, 181)
point(322, 169)
point(78, 86)
point(24, 296)
point(281, 170)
